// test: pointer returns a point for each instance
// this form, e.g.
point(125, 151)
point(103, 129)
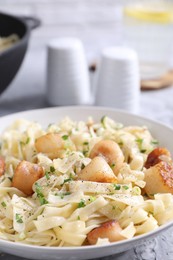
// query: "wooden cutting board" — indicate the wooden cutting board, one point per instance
point(162, 82)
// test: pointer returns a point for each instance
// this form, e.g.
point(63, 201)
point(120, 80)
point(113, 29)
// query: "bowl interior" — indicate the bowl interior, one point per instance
point(52, 115)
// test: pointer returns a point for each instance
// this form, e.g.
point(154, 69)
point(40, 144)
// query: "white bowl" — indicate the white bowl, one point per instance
point(49, 115)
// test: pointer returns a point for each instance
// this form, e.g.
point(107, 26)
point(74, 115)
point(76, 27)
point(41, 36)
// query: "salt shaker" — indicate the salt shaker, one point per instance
point(117, 82)
point(67, 73)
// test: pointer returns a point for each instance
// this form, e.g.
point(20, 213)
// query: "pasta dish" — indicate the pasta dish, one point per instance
point(77, 183)
point(7, 42)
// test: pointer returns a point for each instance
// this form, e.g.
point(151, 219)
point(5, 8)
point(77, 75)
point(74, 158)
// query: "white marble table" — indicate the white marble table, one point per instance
point(28, 91)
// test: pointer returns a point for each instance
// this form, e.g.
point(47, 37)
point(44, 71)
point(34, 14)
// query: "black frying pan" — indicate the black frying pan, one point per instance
point(11, 58)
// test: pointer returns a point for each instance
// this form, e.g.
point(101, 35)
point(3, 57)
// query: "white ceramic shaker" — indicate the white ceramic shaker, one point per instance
point(117, 81)
point(67, 73)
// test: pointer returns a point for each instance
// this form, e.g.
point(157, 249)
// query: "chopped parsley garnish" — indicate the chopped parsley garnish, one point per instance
point(139, 141)
point(102, 121)
point(38, 188)
point(26, 142)
point(78, 218)
point(62, 194)
point(67, 193)
point(117, 187)
point(49, 125)
point(42, 200)
point(65, 137)
point(82, 166)
point(152, 194)
point(85, 152)
point(52, 169)
point(112, 165)
point(40, 195)
point(67, 180)
point(86, 148)
point(3, 204)
point(47, 175)
point(143, 150)
point(19, 218)
point(81, 204)
point(125, 187)
point(91, 198)
point(154, 142)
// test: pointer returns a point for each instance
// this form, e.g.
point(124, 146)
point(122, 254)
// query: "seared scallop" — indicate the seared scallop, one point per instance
point(159, 178)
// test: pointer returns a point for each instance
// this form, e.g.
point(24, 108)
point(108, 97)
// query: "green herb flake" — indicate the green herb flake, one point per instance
point(42, 200)
point(40, 195)
point(82, 166)
point(102, 121)
point(152, 194)
point(65, 137)
point(64, 194)
point(85, 152)
point(85, 143)
point(3, 204)
point(78, 218)
point(19, 218)
point(139, 141)
point(125, 187)
point(52, 169)
point(49, 125)
point(28, 140)
point(117, 187)
point(47, 175)
point(67, 180)
point(154, 142)
point(38, 188)
point(81, 204)
point(92, 198)
point(67, 193)
point(112, 165)
point(143, 150)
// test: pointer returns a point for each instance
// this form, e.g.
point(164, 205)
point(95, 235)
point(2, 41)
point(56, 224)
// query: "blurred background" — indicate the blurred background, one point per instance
point(146, 26)
point(96, 22)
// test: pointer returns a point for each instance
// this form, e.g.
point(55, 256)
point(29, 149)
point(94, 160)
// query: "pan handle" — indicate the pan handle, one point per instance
point(32, 22)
